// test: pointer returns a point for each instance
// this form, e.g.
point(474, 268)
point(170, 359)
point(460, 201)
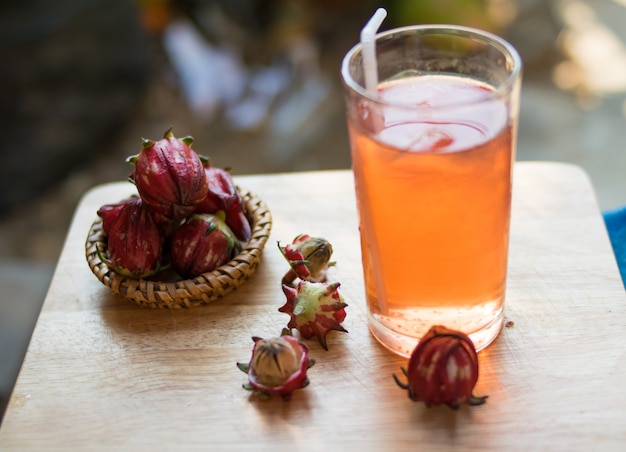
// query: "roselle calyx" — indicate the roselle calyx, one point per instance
point(278, 366)
point(223, 195)
point(134, 241)
point(308, 257)
point(315, 309)
point(110, 212)
point(202, 244)
point(170, 179)
point(443, 369)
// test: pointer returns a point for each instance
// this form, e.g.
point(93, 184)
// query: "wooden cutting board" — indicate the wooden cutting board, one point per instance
point(101, 372)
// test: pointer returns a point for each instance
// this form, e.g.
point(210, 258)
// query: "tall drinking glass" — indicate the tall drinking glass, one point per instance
point(432, 151)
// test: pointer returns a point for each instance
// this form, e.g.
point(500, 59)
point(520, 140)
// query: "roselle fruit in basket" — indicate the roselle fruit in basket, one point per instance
point(110, 212)
point(170, 179)
point(134, 241)
point(223, 195)
point(201, 244)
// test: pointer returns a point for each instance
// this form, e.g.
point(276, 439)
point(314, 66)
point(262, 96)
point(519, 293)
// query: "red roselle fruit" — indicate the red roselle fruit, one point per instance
point(201, 244)
point(443, 369)
point(308, 257)
point(170, 178)
point(315, 309)
point(277, 366)
point(223, 195)
point(110, 212)
point(135, 243)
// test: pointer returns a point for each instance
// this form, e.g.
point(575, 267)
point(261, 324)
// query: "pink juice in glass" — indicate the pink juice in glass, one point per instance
point(433, 186)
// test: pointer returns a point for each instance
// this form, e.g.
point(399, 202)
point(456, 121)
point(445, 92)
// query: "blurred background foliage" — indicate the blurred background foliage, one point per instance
point(472, 13)
point(256, 82)
point(77, 75)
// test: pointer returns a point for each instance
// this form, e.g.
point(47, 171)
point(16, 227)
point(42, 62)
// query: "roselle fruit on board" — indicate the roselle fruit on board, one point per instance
point(170, 179)
point(201, 244)
point(223, 195)
point(315, 309)
point(443, 369)
point(134, 241)
point(278, 366)
point(308, 257)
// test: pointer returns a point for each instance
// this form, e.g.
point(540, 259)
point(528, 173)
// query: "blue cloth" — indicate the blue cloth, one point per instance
point(615, 221)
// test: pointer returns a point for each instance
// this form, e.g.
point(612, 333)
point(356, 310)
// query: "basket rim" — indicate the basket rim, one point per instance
point(186, 293)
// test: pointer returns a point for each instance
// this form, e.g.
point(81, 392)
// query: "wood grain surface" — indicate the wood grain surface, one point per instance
point(101, 372)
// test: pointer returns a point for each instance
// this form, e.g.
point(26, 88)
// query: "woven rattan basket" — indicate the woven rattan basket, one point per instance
point(186, 293)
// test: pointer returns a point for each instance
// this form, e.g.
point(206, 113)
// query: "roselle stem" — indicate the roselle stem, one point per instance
point(289, 278)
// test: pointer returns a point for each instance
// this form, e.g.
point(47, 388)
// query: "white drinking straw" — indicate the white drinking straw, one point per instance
point(368, 34)
point(370, 71)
